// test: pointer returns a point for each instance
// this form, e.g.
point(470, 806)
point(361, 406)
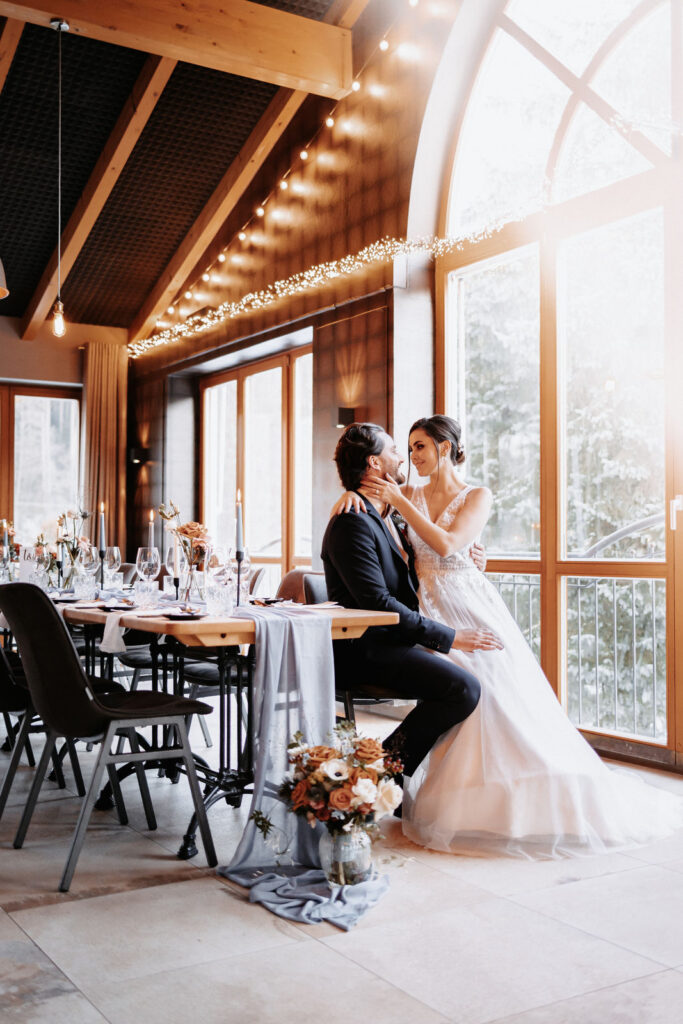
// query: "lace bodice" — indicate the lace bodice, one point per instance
point(427, 562)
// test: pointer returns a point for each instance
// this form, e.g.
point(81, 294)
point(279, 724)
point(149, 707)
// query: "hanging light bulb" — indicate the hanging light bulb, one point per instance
point(329, 121)
point(58, 323)
point(384, 45)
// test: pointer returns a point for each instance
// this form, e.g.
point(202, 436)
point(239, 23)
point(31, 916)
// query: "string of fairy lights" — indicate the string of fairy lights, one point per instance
point(321, 275)
point(318, 276)
point(315, 277)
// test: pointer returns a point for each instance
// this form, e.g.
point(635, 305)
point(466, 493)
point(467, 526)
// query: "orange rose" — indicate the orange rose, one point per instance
point(362, 773)
point(369, 750)
point(299, 794)
point(317, 755)
point(340, 799)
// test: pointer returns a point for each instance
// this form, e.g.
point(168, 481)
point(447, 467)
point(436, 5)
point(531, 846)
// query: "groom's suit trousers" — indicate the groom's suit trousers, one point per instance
point(446, 693)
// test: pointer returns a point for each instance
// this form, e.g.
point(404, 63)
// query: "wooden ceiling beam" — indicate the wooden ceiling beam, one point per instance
point(132, 119)
point(232, 187)
point(235, 36)
point(9, 40)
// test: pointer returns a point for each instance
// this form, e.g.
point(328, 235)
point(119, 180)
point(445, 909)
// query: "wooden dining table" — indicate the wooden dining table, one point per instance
point(220, 640)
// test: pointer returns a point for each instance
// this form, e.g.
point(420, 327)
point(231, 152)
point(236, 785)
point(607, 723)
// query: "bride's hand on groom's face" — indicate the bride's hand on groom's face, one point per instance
point(470, 640)
point(383, 488)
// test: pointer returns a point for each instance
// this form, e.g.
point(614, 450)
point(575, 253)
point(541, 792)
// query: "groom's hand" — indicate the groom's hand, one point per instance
point(478, 555)
point(470, 640)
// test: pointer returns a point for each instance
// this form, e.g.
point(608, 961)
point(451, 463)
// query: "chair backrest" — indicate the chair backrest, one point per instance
point(315, 588)
point(256, 579)
point(57, 683)
point(292, 586)
point(129, 571)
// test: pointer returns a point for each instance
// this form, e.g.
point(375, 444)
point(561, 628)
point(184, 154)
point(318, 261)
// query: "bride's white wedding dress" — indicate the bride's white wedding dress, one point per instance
point(516, 777)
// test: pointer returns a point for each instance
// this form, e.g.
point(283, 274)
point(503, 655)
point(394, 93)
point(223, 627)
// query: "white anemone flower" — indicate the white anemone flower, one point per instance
point(335, 769)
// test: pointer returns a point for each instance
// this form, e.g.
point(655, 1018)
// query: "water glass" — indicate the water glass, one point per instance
point(146, 593)
point(220, 597)
point(85, 587)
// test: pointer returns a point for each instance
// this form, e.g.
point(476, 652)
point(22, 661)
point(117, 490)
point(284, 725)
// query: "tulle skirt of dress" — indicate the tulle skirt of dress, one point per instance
point(516, 777)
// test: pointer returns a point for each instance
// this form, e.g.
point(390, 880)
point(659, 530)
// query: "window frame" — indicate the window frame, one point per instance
point(652, 189)
point(8, 392)
point(286, 361)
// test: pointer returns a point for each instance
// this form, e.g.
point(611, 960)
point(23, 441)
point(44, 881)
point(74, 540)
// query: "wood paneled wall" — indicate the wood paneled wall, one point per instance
point(353, 190)
point(351, 364)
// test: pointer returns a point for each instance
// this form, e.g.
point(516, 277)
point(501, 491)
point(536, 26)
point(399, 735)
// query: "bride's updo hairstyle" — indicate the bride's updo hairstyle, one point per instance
point(439, 429)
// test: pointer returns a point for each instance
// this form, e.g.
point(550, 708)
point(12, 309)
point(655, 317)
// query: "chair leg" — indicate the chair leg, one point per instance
point(57, 769)
point(76, 767)
point(86, 809)
point(208, 742)
point(9, 739)
point(48, 750)
point(200, 810)
point(29, 750)
point(20, 740)
point(142, 783)
point(133, 687)
point(348, 707)
point(117, 794)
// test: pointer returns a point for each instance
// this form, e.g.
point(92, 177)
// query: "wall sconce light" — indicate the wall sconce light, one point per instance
point(139, 456)
point(345, 416)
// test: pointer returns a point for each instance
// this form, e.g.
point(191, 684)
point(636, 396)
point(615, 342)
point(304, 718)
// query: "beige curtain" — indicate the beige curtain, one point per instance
point(106, 387)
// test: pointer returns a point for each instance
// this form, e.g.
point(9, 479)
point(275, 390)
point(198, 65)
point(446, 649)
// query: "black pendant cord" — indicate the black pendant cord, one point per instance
point(59, 164)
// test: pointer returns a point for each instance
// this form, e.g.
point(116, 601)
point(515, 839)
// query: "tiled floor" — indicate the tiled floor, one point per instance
point(143, 937)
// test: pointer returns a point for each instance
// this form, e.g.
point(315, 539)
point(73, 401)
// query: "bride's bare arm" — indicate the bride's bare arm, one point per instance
point(465, 528)
point(349, 501)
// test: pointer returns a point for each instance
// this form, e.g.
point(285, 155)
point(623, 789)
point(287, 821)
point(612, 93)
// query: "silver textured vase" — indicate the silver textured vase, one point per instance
point(346, 857)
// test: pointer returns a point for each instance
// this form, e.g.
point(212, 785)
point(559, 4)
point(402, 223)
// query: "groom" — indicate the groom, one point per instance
point(368, 564)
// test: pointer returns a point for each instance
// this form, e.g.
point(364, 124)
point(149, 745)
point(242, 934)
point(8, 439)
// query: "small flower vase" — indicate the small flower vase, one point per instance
point(68, 568)
point(346, 857)
point(193, 586)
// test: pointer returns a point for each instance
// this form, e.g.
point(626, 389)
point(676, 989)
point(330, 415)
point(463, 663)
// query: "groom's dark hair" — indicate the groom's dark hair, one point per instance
point(358, 442)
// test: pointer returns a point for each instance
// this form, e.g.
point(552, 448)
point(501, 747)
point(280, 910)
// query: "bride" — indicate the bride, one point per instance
point(515, 777)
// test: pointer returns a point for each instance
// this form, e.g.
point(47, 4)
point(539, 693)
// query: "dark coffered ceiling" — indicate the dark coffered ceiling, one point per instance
point(192, 137)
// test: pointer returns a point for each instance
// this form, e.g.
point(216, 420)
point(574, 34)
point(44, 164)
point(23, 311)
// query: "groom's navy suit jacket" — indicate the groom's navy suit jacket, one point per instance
point(365, 569)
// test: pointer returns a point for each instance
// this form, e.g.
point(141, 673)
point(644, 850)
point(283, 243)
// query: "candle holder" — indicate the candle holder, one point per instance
point(176, 584)
point(102, 554)
point(58, 563)
point(239, 558)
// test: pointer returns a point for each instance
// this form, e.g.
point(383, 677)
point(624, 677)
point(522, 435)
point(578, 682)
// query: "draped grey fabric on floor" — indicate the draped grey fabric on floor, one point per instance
point(307, 897)
point(293, 692)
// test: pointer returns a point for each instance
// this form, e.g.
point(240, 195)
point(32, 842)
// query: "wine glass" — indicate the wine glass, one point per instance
point(218, 563)
point(182, 560)
point(112, 560)
point(88, 561)
point(112, 564)
point(148, 563)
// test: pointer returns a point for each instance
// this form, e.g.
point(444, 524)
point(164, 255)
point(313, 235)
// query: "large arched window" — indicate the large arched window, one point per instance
point(559, 350)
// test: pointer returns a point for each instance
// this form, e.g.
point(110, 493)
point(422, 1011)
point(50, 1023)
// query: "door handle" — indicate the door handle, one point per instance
point(675, 506)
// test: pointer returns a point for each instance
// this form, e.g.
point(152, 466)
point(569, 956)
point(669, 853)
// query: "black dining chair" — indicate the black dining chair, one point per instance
point(315, 592)
point(69, 707)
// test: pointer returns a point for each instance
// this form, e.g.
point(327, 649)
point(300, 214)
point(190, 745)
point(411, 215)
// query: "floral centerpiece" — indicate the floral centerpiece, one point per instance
point(195, 541)
point(349, 786)
point(46, 556)
point(70, 536)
